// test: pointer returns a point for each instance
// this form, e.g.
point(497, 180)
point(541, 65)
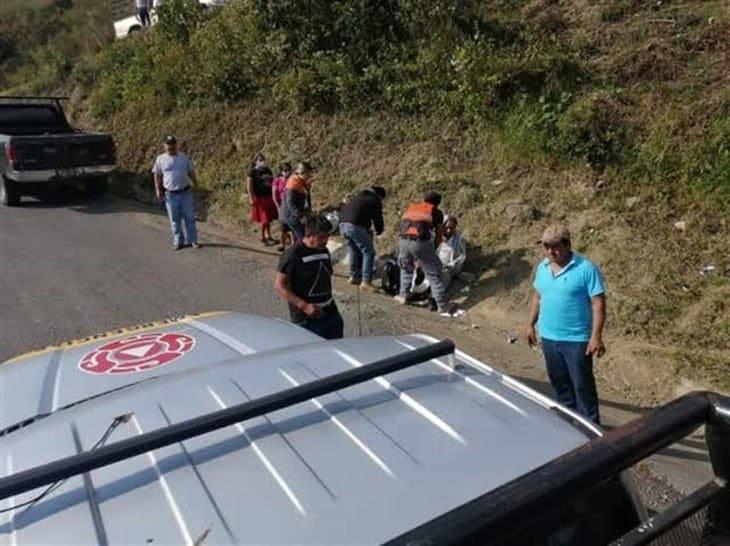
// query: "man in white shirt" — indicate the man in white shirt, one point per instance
point(143, 12)
point(174, 175)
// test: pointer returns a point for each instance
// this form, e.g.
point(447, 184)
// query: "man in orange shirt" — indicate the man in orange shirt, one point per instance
point(421, 232)
point(297, 199)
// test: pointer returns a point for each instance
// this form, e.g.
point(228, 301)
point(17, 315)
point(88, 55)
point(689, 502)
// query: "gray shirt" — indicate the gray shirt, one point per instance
point(175, 170)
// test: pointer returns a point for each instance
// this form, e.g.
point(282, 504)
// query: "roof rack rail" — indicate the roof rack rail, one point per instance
point(532, 499)
point(32, 478)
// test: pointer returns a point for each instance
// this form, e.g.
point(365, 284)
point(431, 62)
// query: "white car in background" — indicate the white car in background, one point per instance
point(128, 25)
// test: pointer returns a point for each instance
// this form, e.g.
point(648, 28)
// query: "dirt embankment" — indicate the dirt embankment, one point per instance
point(668, 322)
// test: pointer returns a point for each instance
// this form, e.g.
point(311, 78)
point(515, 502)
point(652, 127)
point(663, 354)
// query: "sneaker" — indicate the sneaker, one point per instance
point(403, 300)
point(177, 246)
point(353, 280)
point(448, 309)
point(196, 245)
point(368, 287)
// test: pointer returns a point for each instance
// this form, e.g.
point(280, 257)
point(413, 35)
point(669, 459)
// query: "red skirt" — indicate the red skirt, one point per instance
point(263, 210)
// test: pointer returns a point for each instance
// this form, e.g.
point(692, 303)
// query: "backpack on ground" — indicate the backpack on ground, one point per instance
point(390, 277)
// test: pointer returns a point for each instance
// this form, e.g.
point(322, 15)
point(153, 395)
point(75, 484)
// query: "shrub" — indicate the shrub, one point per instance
point(178, 19)
point(595, 129)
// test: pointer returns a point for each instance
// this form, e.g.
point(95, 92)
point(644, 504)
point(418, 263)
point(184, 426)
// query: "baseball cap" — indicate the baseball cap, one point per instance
point(170, 139)
point(554, 234)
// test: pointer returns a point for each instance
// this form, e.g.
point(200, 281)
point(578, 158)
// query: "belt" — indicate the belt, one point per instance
point(325, 304)
point(186, 188)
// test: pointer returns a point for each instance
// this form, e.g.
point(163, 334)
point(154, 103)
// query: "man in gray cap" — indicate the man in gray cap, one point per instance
point(569, 308)
point(174, 175)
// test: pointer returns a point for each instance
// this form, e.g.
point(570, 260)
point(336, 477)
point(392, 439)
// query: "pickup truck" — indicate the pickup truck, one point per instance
point(129, 24)
point(40, 150)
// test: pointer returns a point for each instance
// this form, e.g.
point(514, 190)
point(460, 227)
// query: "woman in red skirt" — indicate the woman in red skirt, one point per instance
point(263, 208)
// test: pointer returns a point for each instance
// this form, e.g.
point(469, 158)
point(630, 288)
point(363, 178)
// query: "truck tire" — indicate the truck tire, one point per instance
point(9, 194)
point(96, 186)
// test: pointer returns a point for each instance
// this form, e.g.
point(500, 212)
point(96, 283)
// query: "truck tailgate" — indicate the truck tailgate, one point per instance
point(67, 151)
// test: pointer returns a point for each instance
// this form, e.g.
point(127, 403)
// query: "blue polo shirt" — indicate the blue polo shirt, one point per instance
point(565, 299)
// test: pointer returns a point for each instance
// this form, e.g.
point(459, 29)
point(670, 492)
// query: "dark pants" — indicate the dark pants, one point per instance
point(571, 375)
point(144, 16)
point(329, 326)
point(296, 227)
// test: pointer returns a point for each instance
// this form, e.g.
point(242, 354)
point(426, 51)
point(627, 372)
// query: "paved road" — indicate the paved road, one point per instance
point(78, 267)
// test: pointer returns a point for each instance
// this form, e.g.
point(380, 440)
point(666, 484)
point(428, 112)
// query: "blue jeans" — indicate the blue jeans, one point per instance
point(180, 206)
point(330, 326)
point(571, 375)
point(362, 251)
point(143, 14)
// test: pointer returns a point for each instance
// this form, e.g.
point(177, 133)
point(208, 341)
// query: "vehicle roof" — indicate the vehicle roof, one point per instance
point(333, 470)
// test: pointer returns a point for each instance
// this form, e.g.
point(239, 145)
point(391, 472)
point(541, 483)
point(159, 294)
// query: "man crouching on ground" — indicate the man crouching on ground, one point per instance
point(304, 280)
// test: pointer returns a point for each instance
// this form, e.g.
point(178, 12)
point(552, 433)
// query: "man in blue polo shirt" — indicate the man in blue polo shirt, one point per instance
point(569, 308)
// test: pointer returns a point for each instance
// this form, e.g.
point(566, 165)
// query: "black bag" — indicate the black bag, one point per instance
point(390, 277)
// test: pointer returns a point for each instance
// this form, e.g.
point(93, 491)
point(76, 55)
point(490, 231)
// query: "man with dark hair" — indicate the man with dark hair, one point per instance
point(569, 308)
point(421, 232)
point(304, 280)
point(357, 219)
point(297, 198)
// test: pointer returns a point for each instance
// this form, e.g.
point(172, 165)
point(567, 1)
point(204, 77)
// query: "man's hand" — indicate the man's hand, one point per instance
point(311, 310)
point(595, 347)
point(531, 335)
point(158, 195)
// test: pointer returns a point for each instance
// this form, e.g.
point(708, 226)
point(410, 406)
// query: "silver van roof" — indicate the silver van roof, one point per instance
point(361, 465)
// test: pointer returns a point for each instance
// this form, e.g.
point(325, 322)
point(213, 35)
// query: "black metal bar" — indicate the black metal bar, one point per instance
point(118, 451)
point(671, 517)
point(518, 504)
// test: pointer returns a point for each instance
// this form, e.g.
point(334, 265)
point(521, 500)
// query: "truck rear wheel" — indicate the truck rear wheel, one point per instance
point(9, 195)
point(97, 186)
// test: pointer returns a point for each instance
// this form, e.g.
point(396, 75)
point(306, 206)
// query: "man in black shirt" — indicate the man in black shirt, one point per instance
point(304, 280)
point(357, 218)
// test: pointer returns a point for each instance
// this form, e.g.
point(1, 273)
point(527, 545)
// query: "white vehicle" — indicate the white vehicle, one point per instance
point(127, 25)
point(237, 429)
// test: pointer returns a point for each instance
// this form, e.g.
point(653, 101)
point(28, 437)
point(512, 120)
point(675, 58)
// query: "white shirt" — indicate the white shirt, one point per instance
point(175, 170)
point(142, 3)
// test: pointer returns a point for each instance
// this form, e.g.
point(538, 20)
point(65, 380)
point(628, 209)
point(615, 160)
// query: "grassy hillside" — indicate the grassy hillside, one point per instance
point(613, 116)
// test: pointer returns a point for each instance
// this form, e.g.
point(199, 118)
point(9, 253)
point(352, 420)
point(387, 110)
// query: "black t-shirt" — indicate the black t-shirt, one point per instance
point(262, 179)
point(364, 209)
point(310, 277)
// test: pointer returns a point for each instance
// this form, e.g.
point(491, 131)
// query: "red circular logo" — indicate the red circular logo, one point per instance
point(137, 353)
